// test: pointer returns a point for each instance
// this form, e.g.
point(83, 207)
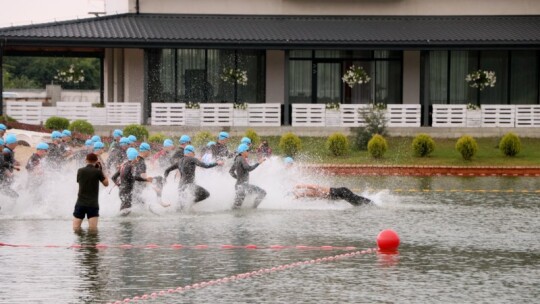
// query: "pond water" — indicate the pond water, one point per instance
point(457, 246)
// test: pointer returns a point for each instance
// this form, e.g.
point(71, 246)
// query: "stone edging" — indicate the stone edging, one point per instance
point(340, 169)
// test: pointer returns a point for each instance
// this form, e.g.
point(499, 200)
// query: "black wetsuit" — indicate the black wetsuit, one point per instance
point(55, 155)
point(139, 169)
point(347, 195)
point(116, 157)
point(125, 179)
point(240, 171)
point(187, 166)
point(177, 156)
point(7, 164)
point(220, 151)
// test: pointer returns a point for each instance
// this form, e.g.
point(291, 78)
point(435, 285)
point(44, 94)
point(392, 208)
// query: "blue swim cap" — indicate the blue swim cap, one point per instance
point(56, 135)
point(3, 127)
point(168, 143)
point(1, 141)
point(117, 133)
point(132, 153)
point(189, 149)
point(210, 143)
point(246, 140)
point(184, 139)
point(288, 160)
point(11, 139)
point(98, 145)
point(96, 138)
point(88, 143)
point(66, 133)
point(223, 135)
point(144, 147)
point(42, 146)
point(242, 148)
point(124, 141)
point(132, 138)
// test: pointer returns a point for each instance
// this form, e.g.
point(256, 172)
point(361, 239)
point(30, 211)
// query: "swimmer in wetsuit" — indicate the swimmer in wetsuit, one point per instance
point(125, 179)
point(9, 164)
point(187, 166)
point(306, 190)
point(240, 171)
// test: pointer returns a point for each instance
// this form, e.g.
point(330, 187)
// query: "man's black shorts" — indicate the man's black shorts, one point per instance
point(81, 211)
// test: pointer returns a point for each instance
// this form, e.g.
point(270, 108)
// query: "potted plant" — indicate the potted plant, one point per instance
point(193, 115)
point(481, 79)
point(240, 114)
point(333, 115)
point(474, 116)
point(355, 75)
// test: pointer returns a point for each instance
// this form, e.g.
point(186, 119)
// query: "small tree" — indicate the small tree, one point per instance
point(81, 126)
point(157, 138)
point(57, 123)
point(202, 138)
point(290, 144)
point(255, 139)
point(510, 145)
point(375, 123)
point(377, 146)
point(467, 147)
point(423, 145)
point(136, 130)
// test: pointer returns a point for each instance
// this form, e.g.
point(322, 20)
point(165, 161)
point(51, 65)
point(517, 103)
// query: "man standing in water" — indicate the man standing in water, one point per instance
point(187, 166)
point(240, 171)
point(87, 204)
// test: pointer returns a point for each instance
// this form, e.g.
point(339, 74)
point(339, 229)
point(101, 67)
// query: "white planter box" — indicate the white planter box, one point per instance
point(474, 118)
point(193, 117)
point(333, 118)
point(240, 118)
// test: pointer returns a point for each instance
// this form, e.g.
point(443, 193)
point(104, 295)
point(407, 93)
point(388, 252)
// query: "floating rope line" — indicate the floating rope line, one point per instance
point(180, 246)
point(413, 190)
point(247, 275)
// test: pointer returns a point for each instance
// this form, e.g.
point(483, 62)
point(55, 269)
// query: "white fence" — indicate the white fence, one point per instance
point(527, 115)
point(113, 113)
point(403, 115)
point(264, 115)
point(498, 115)
point(308, 115)
point(168, 114)
point(449, 115)
point(216, 114)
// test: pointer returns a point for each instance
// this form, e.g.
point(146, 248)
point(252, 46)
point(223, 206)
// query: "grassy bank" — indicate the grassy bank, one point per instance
point(400, 153)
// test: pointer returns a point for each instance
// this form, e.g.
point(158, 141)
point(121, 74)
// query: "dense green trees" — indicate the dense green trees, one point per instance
point(36, 72)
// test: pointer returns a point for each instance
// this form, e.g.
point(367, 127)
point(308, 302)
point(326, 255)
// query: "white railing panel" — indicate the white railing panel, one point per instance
point(308, 115)
point(216, 114)
point(168, 114)
point(47, 112)
point(498, 115)
point(74, 110)
point(25, 111)
point(527, 115)
point(264, 115)
point(403, 115)
point(449, 115)
point(123, 113)
point(98, 116)
point(351, 115)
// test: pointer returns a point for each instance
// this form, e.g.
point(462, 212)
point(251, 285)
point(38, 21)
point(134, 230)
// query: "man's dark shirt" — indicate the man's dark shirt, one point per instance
point(89, 178)
point(187, 166)
point(240, 170)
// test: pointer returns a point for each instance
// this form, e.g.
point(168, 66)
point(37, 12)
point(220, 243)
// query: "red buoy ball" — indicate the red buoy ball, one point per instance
point(388, 240)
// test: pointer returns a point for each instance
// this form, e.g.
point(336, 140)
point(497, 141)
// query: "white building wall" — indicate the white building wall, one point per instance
point(411, 77)
point(134, 75)
point(275, 79)
point(342, 7)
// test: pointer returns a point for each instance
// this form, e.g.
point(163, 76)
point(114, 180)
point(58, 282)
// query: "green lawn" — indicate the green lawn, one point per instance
point(400, 153)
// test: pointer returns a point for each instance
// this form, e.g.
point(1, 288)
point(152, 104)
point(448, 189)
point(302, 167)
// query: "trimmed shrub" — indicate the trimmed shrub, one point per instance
point(467, 147)
point(202, 138)
point(290, 144)
point(136, 130)
point(6, 118)
point(377, 146)
point(255, 139)
point(337, 144)
point(510, 145)
point(157, 138)
point(57, 123)
point(81, 126)
point(423, 145)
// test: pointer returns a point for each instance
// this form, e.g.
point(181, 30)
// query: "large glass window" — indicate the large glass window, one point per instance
point(315, 76)
point(181, 75)
point(517, 75)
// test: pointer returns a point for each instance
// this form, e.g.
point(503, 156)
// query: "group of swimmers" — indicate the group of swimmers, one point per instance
point(127, 166)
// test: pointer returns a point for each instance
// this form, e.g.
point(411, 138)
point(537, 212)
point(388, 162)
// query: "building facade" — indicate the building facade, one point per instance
point(297, 51)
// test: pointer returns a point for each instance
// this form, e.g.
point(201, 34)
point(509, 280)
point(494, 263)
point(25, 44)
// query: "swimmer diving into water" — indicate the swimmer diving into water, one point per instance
point(316, 191)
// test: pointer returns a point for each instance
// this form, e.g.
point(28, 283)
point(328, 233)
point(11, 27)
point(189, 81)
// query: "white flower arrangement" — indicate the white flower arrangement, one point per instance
point(481, 79)
point(472, 106)
point(240, 106)
point(192, 105)
point(332, 106)
point(237, 76)
point(355, 75)
point(72, 75)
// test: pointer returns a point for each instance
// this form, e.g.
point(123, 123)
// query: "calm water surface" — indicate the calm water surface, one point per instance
point(457, 247)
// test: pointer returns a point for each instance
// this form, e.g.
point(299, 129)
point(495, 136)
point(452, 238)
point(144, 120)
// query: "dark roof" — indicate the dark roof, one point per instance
point(282, 31)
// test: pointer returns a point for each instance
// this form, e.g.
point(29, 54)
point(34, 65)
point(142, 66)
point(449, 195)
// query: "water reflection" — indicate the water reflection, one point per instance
point(94, 278)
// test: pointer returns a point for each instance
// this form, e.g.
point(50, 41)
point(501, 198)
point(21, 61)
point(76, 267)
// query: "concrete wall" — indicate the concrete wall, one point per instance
point(275, 80)
point(341, 7)
point(134, 75)
point(411, 77)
